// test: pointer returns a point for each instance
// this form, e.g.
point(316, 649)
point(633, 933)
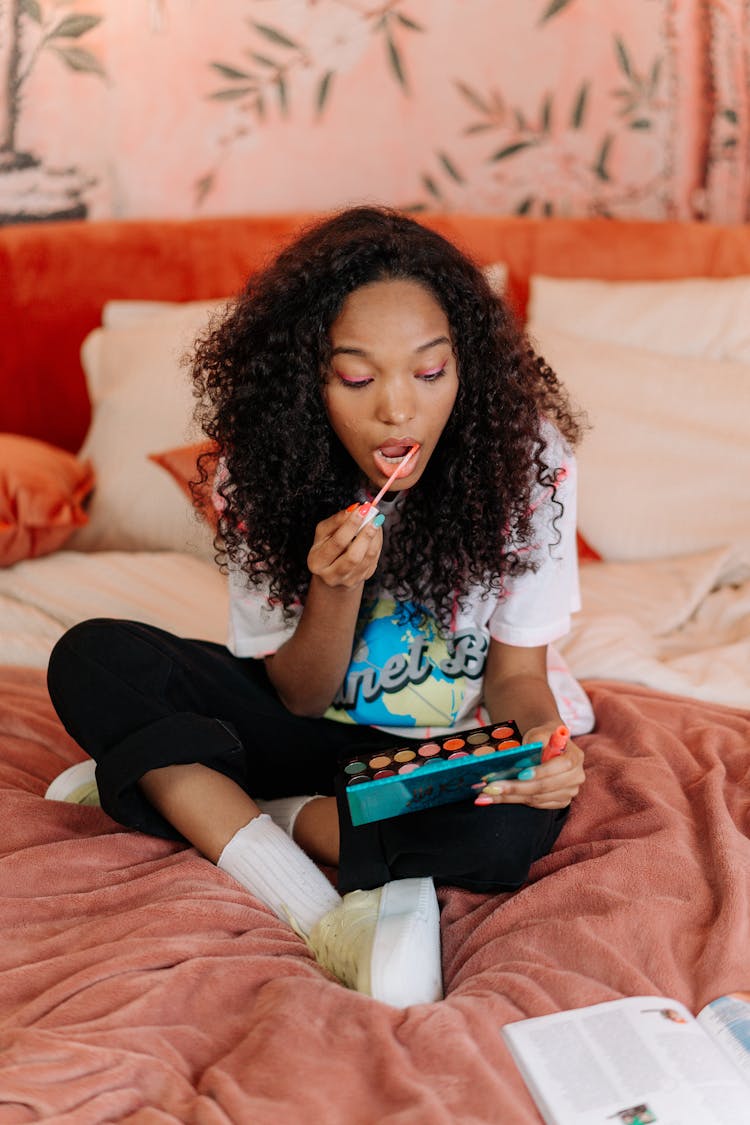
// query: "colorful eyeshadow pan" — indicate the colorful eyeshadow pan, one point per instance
point(444, 769)
point(427, 749)
point(379, 761)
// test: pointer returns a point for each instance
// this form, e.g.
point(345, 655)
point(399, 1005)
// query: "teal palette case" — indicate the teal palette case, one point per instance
point(438, 771)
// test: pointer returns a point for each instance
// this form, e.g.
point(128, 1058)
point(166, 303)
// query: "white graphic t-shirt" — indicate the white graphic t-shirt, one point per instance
point(414, 677)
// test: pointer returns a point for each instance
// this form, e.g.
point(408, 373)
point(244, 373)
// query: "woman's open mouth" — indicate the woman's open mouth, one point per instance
point(393, 453)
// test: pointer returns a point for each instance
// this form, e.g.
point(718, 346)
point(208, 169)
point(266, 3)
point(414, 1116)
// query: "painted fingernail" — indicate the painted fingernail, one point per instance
point(363, 510)
point(495, 789)
point(483, 801)
point(527, 775)
point(379, 520)
point(352, 507)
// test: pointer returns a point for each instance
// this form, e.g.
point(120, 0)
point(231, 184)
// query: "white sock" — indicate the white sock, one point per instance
point(285, 810)
point(267, 863)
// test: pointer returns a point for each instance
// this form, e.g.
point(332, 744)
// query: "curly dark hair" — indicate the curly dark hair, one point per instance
point(259, 375)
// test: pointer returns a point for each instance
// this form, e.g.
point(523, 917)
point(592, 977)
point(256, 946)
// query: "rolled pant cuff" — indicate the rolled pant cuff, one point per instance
point(178, 739)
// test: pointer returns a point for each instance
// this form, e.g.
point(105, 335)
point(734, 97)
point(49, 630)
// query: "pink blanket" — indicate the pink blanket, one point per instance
point(139, 984)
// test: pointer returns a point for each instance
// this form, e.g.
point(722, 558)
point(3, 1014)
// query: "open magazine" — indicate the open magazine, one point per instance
point(639, 1060)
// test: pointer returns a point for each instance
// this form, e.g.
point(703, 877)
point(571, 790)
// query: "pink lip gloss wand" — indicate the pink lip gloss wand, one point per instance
point(558, 740)
point(369, 511)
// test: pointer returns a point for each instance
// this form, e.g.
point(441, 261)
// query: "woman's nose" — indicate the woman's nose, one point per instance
point(396, 402)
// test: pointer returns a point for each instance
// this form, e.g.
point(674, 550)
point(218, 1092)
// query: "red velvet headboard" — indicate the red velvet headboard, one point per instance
point(55, 278)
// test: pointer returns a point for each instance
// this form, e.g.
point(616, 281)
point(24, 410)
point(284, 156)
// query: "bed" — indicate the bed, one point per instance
point(140, 984)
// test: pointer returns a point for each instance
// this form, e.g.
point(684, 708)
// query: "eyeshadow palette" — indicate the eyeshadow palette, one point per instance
point(420, 775)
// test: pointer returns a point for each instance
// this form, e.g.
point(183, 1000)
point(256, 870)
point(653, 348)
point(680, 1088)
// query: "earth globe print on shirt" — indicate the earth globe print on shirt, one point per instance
point(402, 672)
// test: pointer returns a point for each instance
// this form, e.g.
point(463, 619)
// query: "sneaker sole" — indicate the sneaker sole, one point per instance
point(405, 963)
point(76, 785)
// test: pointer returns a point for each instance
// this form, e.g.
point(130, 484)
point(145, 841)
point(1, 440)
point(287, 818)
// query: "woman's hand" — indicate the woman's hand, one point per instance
point(554, 784)
point(341, 557)
point(308, 668)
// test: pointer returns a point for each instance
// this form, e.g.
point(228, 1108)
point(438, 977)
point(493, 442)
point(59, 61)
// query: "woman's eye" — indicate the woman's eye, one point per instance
point(348, 381)
point(431, 376)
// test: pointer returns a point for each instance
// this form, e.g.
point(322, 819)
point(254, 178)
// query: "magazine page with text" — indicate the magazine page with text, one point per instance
point(637, 1061)
point(727, 1020)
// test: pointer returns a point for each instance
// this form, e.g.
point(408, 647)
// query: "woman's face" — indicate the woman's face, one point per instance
point(393, 378)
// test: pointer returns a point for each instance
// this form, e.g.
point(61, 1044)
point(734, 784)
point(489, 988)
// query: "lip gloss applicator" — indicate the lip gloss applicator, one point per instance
point(369, 510)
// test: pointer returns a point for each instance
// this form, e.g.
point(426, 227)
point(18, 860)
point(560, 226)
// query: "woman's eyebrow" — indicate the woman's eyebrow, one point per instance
point(432, 343)
point(422, 347)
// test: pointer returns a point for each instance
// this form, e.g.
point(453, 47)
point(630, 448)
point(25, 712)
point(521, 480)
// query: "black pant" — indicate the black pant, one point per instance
point(136, 698)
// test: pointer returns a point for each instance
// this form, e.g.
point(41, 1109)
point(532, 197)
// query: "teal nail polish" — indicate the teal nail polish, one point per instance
point(527, 774)
point(379, 520)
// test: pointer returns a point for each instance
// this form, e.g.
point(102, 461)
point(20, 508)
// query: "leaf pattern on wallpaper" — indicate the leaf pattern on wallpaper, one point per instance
point(269, 77)
point(446, 168)
point(638, 96)
point(729, 139)
point(551, 147)
point(33, 28)
point(554, 8)
point(33, 31)
point(726, 81)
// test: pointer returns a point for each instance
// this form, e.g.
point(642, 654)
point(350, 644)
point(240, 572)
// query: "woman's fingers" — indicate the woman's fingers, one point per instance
point(552, 786)
point(344, 552)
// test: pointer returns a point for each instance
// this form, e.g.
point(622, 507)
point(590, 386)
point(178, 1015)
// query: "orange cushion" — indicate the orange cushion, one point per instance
point(182, 465)
point(42, 491)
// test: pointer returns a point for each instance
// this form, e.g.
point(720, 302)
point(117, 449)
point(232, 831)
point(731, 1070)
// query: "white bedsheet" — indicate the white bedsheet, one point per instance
point(677, 625)
point(41, 598)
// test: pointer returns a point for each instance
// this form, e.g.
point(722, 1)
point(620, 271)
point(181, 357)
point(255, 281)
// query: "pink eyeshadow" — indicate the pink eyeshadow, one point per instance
point(428, 750)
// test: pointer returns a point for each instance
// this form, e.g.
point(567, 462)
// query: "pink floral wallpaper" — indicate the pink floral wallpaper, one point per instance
point(197, 107)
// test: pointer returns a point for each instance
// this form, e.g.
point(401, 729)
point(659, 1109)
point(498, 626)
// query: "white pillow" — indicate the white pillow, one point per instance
point(664, 470)
point(120, 314)
point(142, 403)
point(497, 276)
point(691, 316)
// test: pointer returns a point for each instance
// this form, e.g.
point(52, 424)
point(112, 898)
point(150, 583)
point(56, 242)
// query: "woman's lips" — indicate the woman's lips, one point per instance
point(389, 454)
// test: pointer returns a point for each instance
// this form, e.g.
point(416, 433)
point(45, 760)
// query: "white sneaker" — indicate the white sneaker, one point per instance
point(76, 784)
point(385, 942)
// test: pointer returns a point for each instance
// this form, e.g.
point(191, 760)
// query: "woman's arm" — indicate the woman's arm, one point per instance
point(516, 687)
point(308, 669)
